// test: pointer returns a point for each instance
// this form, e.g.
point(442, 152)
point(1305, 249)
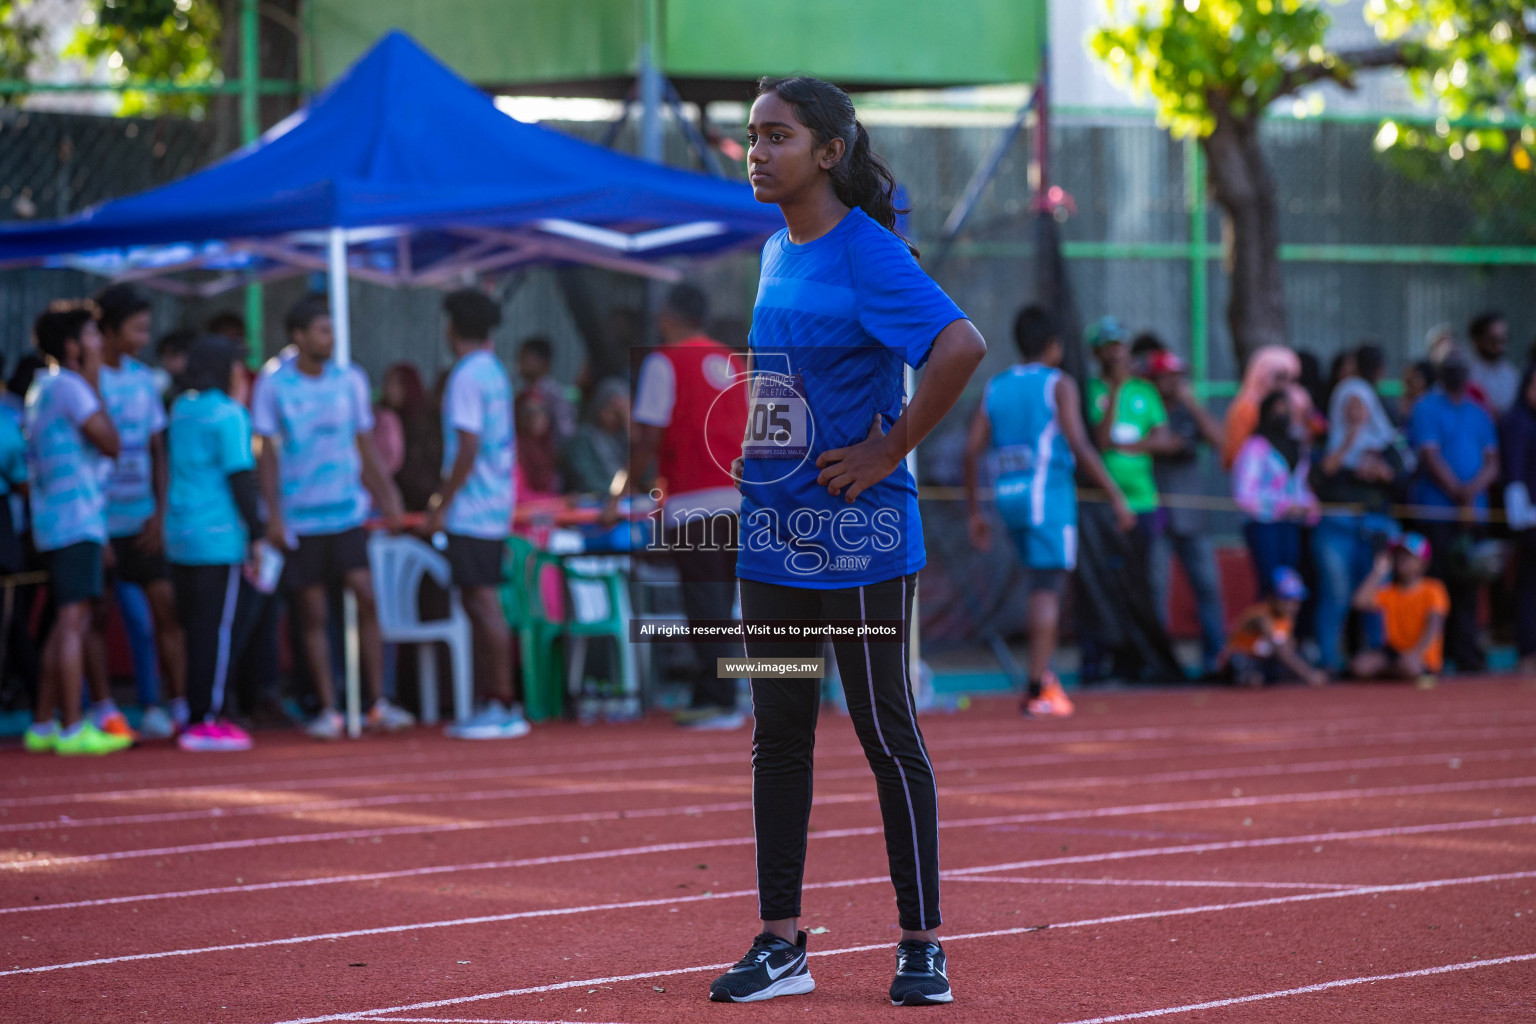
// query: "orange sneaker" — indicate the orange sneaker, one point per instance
point(1053, 699)
point(116, 725)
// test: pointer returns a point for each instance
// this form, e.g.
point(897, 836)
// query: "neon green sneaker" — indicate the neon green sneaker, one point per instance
point(89, 740)
point(40, 742)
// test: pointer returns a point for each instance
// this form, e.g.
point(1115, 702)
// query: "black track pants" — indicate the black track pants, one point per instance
point(217, 609)
point(879, 696)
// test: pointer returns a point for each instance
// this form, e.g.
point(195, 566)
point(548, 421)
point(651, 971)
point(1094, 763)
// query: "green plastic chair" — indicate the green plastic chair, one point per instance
point(598, 606)
point(537, 632)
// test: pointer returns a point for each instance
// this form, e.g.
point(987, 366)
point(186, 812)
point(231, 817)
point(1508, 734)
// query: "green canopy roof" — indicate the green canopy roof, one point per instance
point(709, 48)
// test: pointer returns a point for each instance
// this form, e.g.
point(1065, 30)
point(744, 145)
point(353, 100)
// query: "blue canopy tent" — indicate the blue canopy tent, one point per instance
point(400, 173)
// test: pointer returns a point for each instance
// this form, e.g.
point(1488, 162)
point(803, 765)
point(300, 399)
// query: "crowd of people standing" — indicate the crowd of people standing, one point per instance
point(1373, 527)
point(1373, 523)
point(201, 496)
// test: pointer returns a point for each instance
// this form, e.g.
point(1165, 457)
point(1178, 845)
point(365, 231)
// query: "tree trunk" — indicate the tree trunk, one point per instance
point(1242, 186)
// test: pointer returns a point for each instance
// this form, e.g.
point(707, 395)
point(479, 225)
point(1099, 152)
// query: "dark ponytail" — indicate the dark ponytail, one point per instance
point(860, 178)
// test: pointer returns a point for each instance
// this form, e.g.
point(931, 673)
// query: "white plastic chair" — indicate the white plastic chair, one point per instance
point(398, 564)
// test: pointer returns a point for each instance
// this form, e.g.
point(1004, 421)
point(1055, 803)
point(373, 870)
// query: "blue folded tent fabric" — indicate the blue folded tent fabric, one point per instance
point(403, 145)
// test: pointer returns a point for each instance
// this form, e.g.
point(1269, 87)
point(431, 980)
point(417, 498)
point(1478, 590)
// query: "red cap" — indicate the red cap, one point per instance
point(1166, 362)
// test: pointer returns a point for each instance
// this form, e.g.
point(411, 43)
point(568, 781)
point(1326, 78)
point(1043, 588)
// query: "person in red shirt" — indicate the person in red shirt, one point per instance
point(1413, 608)
point(690, 414)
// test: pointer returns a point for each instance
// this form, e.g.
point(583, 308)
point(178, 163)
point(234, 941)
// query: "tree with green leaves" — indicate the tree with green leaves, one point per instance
point(1215, 66)
point(171, 41)
point(19, 37)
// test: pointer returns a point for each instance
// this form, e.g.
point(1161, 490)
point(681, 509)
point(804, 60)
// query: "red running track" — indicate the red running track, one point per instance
point(1347, 855)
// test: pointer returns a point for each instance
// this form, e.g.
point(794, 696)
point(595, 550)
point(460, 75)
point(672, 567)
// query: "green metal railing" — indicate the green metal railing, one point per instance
point(249, 87)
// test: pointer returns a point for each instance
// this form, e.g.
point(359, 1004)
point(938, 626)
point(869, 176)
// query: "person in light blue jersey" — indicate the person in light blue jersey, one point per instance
point(471, 512)
point(68, 437)
point(830, 531)
point(136, 513)
point(210, 522)
point(1030, 420)
point(318, 465)
point(13, 482)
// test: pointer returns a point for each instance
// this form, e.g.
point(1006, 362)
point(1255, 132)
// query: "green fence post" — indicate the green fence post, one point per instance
point(1199, 267)
point(250, 128)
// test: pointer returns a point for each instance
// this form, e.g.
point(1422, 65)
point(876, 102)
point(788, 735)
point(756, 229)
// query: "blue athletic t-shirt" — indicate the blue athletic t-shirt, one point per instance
point(132, 397)
point(208, 439)
point(1035, 466)
point(66, 470)
point(315, 421)
point(834, 323)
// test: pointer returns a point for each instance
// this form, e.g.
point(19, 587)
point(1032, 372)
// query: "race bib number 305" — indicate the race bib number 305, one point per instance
point(778, 423)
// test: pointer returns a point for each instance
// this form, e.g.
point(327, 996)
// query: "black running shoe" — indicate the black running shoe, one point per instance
point(922, 976)
point(772, 967)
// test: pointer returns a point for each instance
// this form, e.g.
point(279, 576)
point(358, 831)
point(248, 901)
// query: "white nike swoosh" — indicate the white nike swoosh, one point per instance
point(773, 975)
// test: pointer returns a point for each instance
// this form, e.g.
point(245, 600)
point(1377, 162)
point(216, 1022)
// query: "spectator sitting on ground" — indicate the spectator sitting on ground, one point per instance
point(601, 446)
point(1262, 646)
point(1413, 608)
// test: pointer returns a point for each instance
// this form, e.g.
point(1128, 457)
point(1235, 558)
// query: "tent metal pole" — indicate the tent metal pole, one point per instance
point(250, 128)
point(337, 268)
point(342, 325)
point(652, 141)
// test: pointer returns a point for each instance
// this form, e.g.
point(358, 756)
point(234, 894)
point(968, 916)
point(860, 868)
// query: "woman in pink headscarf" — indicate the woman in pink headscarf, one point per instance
point(1270, 368)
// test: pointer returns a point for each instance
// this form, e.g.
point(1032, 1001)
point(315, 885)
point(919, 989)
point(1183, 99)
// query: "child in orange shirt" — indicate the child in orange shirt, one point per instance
point(1413, 608)
point(1263, 643)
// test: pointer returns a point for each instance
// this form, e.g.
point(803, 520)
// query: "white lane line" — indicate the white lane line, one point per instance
point(969, 728)
point(472, 1020)
point(1393, 832)
point(1195, 741)
point(459, 922)
point(1450, 758)
point(964, 730)
point(1212, 908)
point(1427, 789)
point(1157, 883)
point(1325, 986)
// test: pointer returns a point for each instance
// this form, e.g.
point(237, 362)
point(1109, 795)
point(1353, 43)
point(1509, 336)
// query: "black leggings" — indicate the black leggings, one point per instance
point(217, 610)
point(875, 681)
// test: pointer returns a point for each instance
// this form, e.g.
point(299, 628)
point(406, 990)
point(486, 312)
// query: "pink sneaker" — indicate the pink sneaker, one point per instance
point(236, 737)
point(213, 736)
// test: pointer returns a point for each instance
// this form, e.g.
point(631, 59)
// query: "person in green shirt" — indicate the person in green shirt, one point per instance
point(1129, 422)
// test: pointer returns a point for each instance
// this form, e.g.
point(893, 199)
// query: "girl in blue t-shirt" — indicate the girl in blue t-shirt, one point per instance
point(210, 520)
point(831, 540)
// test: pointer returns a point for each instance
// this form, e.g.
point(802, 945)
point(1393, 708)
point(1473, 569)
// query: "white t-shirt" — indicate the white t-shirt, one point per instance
point(478, 401)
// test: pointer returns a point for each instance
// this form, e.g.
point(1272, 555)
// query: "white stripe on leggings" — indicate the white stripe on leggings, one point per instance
point(226, 628)
point(922, 745)
point(874, 714)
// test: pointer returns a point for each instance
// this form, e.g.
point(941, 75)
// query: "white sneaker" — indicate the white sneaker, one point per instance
point(723, 722)
point(387, 717)
point(327, 725)
point(156, 724)
point(495, 721)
